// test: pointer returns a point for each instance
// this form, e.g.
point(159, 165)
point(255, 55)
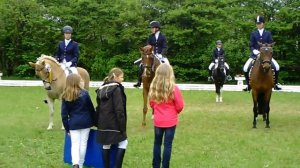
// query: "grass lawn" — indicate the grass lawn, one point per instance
point(209, 135)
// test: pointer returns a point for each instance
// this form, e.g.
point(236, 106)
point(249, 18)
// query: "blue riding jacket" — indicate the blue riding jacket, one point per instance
point(69, 52)
point(255, 37)
point(216, 54)
point(160, 45)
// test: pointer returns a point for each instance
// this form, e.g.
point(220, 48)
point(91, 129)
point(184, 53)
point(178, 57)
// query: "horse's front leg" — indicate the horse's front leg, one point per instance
point(221, 94)
point(255, 114)
point(51, 112)
point(217, 92)
point(267, 108)
point(145, 109)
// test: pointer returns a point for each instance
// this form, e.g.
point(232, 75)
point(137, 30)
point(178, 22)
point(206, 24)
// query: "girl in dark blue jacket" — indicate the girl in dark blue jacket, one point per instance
point(78, 116)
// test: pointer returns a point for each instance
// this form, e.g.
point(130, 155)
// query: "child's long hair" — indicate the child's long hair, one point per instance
point(73, 88)
point(162, 86)
point(113, 73)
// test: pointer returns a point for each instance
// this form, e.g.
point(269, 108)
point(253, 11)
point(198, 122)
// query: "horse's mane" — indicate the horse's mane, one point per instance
point(43, 56)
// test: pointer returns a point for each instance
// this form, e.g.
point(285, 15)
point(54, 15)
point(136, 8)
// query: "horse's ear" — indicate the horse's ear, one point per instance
point(43, 62)
point(272, 44)
point(141, 49)
point(259, 43)
point(31, 64)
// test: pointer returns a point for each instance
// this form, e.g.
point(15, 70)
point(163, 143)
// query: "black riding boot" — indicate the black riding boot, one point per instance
point(210, 78)
point(119, 158)
point(140, 72)
point(276, 85)
point(248, 88)
point(228, 77)
point(105, 157)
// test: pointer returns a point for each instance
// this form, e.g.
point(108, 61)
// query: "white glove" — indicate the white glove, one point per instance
point(255, 52)
point(216, 60)
point(159, 56)
point(68, 64)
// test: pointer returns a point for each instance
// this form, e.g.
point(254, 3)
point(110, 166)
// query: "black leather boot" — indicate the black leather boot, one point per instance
point(276, 85)
point(105, 157)
point(248, 88)
point(119, 158)
point(140, 73)
point(228, 77)
point(210, 78)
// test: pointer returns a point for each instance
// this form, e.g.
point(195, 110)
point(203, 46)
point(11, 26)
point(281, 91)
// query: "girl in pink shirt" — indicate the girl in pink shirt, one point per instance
point(167, 102)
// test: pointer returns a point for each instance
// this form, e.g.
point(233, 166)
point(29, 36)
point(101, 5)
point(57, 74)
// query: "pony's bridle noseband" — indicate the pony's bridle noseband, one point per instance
point(48, 75)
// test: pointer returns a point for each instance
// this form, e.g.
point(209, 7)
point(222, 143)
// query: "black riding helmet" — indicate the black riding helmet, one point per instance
point(67, 29)
point(154, 24)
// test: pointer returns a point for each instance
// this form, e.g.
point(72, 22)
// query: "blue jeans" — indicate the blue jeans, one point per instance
point(168, 140)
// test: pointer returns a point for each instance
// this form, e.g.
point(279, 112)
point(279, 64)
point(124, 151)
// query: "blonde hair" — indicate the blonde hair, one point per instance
point(162, 86)
point(113, 74)
point(73, 88)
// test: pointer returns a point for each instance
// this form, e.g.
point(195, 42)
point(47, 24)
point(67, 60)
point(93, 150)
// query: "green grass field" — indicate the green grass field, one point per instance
point(209, 135)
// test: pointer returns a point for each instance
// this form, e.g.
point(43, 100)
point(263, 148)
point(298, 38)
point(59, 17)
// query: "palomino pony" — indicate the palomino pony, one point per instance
point(262, 82)
point(54, 80)
point(150, 63)
point(219, 77)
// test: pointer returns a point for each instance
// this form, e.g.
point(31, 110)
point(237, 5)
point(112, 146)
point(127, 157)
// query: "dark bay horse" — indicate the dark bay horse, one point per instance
point(150, 63)
point(219, 77)
point(262, 82)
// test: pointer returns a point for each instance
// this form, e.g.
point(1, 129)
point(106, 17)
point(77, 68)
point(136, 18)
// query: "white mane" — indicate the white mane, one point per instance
point(43, 56)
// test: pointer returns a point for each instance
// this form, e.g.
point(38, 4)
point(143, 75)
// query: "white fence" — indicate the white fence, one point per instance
point(285, 88)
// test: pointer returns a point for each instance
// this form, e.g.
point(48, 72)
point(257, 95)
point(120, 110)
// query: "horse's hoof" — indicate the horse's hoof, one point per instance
point(267, 126)
point(144, 124)
point(254, 126)
point(45, 101)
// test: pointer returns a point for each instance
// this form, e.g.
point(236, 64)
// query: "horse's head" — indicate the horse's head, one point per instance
point(147, 58)
point(43, 70)
point(220, 63)
point(265, 57)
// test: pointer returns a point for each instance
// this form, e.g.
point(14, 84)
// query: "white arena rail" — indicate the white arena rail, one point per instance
point(285, 88)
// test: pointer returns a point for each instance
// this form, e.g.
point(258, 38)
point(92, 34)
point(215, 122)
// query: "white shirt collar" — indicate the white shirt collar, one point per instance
point(157, 34)
point(67, 42)
point(261, 31)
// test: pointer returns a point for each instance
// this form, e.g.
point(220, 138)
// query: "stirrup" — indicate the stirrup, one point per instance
point(228, 77)
point(137, 85)
point(209, 79)
point(248, 88)
point(277, 87)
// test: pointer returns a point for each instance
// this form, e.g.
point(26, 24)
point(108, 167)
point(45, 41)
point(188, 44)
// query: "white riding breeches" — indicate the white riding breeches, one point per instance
point(245, 69)
point(122, 145)
point(164, 60)
point(212, 64)
point(68, 69)
point(277, 67)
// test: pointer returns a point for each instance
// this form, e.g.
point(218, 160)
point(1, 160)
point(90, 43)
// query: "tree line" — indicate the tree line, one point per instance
point(110, 33)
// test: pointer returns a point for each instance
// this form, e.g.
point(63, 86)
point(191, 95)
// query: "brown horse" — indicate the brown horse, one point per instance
point(262, 82)
point(54, 80)
point(150, 63)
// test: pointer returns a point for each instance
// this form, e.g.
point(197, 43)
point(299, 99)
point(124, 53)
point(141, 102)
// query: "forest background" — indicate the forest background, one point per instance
point(110, 33)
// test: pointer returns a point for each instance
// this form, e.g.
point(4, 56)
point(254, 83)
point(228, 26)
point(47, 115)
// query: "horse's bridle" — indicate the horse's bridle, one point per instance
point(265, 61)
point(147, 66)
point(48, 75)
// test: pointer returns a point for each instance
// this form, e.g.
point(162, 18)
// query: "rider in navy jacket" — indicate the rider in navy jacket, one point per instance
point(263, 36)
point(68, 51)
point(159, 43)
point(215, 55)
